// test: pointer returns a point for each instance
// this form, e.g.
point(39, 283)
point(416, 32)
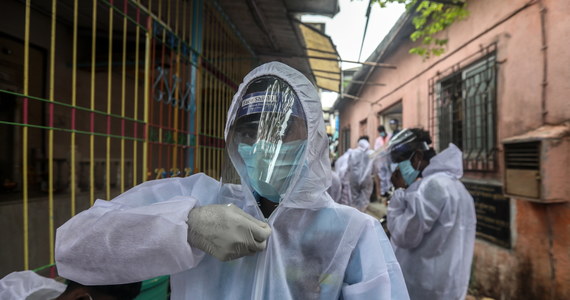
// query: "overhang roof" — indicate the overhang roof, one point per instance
point(317, 7)
point(270, 28)
point(273, 33)
point(323, 58)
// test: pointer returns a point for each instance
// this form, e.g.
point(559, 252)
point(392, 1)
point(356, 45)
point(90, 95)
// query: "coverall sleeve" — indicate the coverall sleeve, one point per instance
point(341, 164)
point(373, 271)
point(29, 285)
point(138, 235)
point(412, 214)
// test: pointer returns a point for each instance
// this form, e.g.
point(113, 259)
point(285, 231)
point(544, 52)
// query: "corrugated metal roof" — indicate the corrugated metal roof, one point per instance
point(318, 7)
point(271, 29)
point(319, 45)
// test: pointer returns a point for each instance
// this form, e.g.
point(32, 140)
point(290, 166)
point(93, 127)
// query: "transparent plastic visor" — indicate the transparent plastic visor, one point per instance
point(268, 137)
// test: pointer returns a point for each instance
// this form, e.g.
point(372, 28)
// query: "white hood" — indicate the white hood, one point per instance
point(449, 160)
point(315, 175)
point(363, 145)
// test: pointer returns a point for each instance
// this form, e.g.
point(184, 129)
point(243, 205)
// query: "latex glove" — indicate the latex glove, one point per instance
point(226, 232)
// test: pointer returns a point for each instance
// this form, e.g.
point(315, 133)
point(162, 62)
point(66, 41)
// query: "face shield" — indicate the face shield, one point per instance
point(399, 153)
point(403, 145)
point(269, 134)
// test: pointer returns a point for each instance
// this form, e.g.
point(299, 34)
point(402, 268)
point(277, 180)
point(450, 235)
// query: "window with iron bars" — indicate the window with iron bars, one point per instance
point(466, 110)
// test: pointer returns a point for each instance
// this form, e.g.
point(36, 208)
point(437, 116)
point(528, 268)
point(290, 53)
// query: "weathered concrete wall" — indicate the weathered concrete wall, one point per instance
point(532, 87)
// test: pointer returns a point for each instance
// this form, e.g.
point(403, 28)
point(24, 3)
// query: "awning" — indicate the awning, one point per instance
point(323, 58)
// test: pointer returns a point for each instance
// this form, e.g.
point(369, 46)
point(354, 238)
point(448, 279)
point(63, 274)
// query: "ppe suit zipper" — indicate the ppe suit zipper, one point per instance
point(259, 280)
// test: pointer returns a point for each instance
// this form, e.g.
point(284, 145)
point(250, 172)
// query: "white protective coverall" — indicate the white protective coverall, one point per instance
point(318, 249)
point(355, 173)
point(432, 226)
point(382, 168)
point(30, 286)
point(335, 189)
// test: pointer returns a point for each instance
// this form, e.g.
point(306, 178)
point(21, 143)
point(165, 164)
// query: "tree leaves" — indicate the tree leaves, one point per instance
point(431, 18)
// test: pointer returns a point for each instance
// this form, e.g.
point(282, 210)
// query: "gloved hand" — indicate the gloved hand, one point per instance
point(397, 201)
point(226, 232)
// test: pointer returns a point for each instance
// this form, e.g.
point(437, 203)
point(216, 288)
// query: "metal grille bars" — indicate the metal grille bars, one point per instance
point(98, 96)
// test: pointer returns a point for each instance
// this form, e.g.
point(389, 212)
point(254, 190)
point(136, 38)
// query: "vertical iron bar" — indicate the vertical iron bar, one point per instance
point(25, 135)
point(147, 74)
point(174, 105)
point(92, 106)
point(136, 96)
point(161, 104)
point(123, 91)
point(198, 12)
point(216, 107)
point(151, 126)
point(50, 132)
point(169, 129)
point(109, 97)
point(73, 103)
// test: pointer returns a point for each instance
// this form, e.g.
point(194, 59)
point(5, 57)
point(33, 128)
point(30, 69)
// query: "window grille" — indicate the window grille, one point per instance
point(119, 92)
point(465, 111)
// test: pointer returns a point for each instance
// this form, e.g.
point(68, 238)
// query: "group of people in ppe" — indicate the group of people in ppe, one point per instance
point(354, 170)
point(361, 171)
point(431, 215)
point(382, 167)
point(279, 234)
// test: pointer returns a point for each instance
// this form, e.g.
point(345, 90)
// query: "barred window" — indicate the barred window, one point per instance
point(465, 110)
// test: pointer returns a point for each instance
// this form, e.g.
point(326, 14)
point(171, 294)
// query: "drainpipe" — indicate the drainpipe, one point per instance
point(544, 113)
point(544, 50)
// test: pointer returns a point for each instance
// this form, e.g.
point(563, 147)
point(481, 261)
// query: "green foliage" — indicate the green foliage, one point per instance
point(431, 17)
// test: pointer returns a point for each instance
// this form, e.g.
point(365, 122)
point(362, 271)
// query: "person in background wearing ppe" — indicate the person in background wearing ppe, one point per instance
point(431, 217)
point(382, 139)
point(354, 168)
point(277, 235)
point(28, 285)
point(395, 127)
point(381, 166)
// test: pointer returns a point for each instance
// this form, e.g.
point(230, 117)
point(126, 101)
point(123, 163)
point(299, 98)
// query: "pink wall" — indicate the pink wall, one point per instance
point(538, 265)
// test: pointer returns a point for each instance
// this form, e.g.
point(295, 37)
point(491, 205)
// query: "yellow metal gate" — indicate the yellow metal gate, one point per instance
point(98, 96)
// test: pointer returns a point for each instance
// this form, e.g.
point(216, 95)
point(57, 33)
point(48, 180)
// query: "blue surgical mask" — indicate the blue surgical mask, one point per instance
point(270, 174)
point(382, 134)
point(409, 173)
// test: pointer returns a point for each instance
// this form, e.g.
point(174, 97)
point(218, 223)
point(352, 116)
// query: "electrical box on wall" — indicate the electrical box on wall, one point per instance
point(537, 165)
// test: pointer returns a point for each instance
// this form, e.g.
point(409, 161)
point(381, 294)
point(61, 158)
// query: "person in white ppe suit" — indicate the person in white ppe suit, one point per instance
point(278, 235)
point(431, 217)
point(354, 169)
point(335, 189)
